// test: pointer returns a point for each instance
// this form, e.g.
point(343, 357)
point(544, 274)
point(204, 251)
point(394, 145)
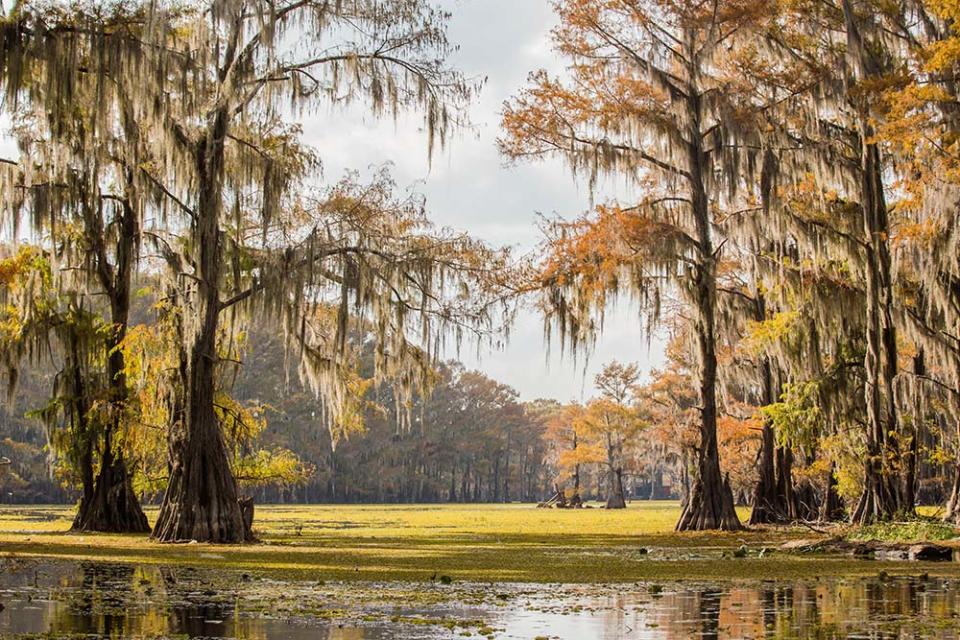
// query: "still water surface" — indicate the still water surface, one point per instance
point(92, 600)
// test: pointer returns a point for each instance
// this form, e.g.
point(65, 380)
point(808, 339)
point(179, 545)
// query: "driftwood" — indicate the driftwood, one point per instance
point(928, 552)
point(559, 500)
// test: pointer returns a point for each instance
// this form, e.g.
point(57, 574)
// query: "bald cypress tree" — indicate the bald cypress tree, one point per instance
point(76, 188)
point(212, 87)
point(825, 138)
point(649, 100)
point(917, 121)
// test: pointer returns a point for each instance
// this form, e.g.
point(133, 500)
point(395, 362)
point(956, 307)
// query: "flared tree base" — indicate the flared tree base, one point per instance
point(616, 502)
point(764, 513)
point(710, 508)
point(878, 503)
point(201, 501)
point(832, 509)
point(187, 518)
point(769, 505)
point(113, 507)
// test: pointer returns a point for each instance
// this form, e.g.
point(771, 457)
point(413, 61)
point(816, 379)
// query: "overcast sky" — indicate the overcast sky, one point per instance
point(469, 187)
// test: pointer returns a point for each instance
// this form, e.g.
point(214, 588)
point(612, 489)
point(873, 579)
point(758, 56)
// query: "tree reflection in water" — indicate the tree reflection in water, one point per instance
point(95, 600)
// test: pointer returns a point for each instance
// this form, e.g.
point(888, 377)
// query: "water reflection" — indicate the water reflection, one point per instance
point(878, 609)
point(97, 600)
point(97, 607)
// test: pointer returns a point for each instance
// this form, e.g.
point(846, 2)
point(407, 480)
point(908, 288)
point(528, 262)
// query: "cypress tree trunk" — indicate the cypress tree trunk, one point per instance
point(615, 495)
point(881, 495)
point(908, 480)
point(765, 504)
point(789, 502)
point(710, 505)
point(113, 505)
point(576, 472)
point(452, 495)
point(711, 501)
point(773, 497)
point(953, 501)
point(831, 509)
point(805, 502)
point(201, 502)
point(80, 416)
point(882, 498)
point(685, 479)
point(506, 472)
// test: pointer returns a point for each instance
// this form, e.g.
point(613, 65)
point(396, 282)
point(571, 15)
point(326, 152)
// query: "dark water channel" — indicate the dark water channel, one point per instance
point(88, 600)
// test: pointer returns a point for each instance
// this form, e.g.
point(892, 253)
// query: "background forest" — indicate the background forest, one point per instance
point(472, 440)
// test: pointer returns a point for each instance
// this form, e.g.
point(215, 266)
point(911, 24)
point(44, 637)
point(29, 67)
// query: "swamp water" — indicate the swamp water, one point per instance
point(93, 600)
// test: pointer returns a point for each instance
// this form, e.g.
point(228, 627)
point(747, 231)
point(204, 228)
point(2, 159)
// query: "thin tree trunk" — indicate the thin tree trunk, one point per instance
point(452, 497)
point(506, 471)
point(831, 509)
point(576, 472)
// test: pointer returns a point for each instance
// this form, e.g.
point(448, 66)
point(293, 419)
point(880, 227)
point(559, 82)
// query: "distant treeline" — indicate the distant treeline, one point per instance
point(471, 440)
